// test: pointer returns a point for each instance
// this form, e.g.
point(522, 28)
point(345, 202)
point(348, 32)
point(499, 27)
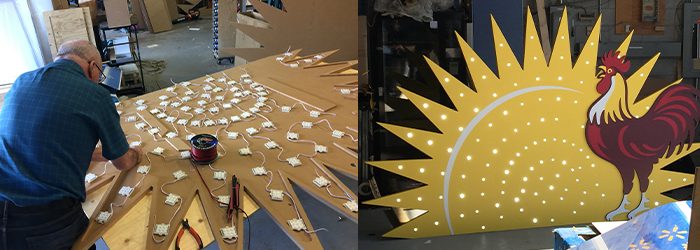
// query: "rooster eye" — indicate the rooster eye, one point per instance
point(609, 71)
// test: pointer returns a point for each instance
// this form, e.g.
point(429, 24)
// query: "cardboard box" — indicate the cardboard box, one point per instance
point(92, 5)
point(117, 13)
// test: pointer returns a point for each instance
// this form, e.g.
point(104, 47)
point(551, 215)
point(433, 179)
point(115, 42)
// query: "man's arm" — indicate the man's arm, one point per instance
point(97, 155)
point(128, 160)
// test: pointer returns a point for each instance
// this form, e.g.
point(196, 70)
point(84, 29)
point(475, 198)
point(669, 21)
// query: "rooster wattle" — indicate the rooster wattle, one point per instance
point(634, 144)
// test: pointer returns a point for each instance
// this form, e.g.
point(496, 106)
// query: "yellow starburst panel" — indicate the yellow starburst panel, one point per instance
point(515, 154)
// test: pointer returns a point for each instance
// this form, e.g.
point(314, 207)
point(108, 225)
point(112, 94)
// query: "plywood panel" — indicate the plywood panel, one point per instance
point(66, 25)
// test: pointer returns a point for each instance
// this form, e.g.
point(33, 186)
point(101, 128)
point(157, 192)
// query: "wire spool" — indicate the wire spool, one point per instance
point(203, 149)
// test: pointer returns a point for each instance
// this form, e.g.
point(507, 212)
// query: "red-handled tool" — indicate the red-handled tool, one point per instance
point(186, 225)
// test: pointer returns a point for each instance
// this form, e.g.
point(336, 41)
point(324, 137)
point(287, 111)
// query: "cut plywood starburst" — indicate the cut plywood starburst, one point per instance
point(513, 153)
point(310, 86)
point(315, 25)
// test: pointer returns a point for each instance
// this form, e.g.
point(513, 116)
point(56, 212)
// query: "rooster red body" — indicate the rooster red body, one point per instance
point(634, 144)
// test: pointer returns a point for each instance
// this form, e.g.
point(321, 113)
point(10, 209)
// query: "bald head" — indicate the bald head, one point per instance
point(79, 48)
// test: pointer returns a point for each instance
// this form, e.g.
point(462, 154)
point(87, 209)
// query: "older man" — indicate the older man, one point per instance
point(50, 123)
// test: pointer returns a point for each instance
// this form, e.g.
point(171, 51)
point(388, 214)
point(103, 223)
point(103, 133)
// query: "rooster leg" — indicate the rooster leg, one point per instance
point(619, 210)
point(639, 208)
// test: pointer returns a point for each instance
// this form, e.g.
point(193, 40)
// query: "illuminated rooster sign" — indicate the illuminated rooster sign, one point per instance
point(633, 144)
point(542, 141)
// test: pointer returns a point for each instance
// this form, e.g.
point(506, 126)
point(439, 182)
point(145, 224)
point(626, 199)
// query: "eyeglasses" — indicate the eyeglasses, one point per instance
point(103, 77)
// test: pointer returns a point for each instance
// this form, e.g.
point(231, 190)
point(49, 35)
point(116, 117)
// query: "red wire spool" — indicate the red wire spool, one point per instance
point(203, 148)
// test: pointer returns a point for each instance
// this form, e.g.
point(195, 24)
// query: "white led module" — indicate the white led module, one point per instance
point(248, 81)
point(217, 89)
point(209, 123)
point(297, 224)
point(314, 113)
point(143, 169)
point(262, 93)
point(189, 136)
point(229, 233)
point(187, 99)
point(205, 96)
point(158, 151)
point(321, 149)
point(307, 60)
point(89, 177)
point(175, 104)
point(235, 101)
point(292, 136)
point(161, 115)
point(307, 124)
point(293, 161)
point(222, 121)
point(321, 181)
point(234, 89)
point(199, 110)
point(179, 175)
point(207, 88)
point(185, 154)
point(262, 99)
point(155, 111)
point(245, 151)
point(259, 105)
point(223, 200)
point(232, 135)
point(126, 191)
point(227, 106)
point(245, 76)
point(351, 205)
point(317, 57)
point(185, 108)
point(260, 89)
point(172, 199)
point(219, 98)
point(170, 119)
point(293, 65)
point(131, 118)
point(103, 217)
point(258, 171)
point(221, 79)
point(135, 144)
point(139, 102)
point(268, 124)
point(286, 109)
point(220, 175)
point(235, 118)
point(276, 195)
point(214, 110)
point(251, 131)
point(202, 102)
point(185, 84)
point(246, 93)
point(271, 145)
point(345, 91)
point(245, 115)
point(171, 135)
point(140, 125)
point(164, 103)
point(141, 107)
point(161, 229)
point(231, 82)
point(170, 89)
point(189, 92)
point(153, 131)
point(254, 109)
point(279, 58)
point(237, 94)
point(182, 122)
point(255, 85)
point(338, 133)
point(163, 97)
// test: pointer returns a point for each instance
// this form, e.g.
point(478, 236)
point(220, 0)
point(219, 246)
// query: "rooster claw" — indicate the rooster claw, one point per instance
point(612, 214)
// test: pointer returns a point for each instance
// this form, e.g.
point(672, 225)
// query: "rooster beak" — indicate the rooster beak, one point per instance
point(601, 72)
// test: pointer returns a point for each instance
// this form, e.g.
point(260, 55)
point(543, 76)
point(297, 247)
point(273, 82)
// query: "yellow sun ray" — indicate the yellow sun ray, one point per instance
point(513, 153)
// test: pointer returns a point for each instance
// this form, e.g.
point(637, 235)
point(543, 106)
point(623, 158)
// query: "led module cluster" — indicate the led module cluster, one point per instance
point(185, 108)
point(245, 115)
point(292, 136)
point(182, 122)
point(103, 217)
point(135, 144)
point(251, 131)
point(314, 113)
point(321, 149)
point(185, 154)
point(89, 177)
point(158, 151)
point(321, 181)
point(161, 229)
point(307, 124)
point(223, 200)
point(276, 195)
point(271, 145)
point(286, 109)
point(352, 205)
point(143, 169)
point(171, 135)
point(293, 161)
point(232, 135)
point(220, 175)
point(268, 124)
point(131, 118)
point(140, 125)
point(172, 199)
point(258, 171)
point(229, 233)
point(179, 175)
point(297, 224)
point(126, 191)
point(245, 151)
point(338, 134)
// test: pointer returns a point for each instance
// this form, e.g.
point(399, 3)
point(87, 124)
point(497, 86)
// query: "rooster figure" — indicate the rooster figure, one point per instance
point(634, 144)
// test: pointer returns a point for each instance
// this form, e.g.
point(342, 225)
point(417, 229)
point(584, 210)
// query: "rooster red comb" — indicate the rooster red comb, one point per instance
point(616, 61)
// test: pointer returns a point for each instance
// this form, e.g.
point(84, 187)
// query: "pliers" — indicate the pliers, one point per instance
point(186, 225)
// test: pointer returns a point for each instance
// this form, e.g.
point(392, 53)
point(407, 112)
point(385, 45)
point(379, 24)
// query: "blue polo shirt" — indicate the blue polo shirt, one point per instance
point(50, 122)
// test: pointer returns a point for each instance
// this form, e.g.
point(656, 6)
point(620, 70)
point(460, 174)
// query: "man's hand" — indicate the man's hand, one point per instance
point(129, 159)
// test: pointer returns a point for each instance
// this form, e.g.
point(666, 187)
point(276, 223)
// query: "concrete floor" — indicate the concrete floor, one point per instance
point(188, 55)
